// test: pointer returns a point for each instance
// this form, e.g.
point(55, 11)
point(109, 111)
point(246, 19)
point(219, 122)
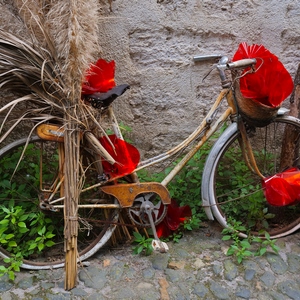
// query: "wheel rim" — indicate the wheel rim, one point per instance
point(235, 194)
point(101, 222)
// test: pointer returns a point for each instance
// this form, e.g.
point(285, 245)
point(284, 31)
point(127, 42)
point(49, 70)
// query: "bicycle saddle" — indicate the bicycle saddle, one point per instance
point(103, 100)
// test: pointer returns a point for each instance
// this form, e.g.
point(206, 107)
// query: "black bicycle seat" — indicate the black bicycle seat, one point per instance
point(103, 100)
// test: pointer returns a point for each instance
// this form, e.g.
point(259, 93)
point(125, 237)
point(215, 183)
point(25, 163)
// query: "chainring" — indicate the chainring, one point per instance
point(137, 212)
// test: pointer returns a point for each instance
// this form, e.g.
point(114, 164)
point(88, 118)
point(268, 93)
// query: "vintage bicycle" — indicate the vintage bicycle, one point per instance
point(241, 156)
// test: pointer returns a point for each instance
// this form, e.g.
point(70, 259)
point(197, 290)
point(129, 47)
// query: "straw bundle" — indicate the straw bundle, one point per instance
point(42, 69)
point(44, 72)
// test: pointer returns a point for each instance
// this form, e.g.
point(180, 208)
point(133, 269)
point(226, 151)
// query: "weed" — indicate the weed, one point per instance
point(242, 248)
point(144, 245)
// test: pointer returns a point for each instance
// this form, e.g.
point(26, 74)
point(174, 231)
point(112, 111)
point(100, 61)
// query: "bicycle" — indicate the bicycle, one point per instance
point(33, 172)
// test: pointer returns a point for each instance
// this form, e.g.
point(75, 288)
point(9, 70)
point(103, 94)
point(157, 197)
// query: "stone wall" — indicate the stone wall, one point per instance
point(153, 43)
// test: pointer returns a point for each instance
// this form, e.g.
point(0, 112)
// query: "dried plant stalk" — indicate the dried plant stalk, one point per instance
point(44, 71)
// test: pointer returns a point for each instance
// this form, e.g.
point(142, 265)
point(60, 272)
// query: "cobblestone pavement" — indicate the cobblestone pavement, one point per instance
point(194, 268)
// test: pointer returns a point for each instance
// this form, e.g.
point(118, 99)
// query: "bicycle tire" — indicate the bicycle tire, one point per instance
point(235, 193)
point(20, 186)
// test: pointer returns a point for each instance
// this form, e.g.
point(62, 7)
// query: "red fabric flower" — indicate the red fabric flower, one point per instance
point(283, 188)
point(175, 216)
point(271, 83)
point(126, 156)
point(99, 77)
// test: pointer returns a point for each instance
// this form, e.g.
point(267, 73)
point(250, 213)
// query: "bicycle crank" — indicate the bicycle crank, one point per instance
point(146, 213)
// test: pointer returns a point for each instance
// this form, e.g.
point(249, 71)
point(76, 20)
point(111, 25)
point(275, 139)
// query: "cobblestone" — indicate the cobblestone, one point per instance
point(194, 268)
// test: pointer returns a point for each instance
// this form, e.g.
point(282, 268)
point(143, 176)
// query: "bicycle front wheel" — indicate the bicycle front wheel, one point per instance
point(31, 179)
point(235, 192)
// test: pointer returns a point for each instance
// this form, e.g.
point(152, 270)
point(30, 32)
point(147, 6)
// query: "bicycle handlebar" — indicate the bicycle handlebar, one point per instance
point(223, 61)
point(207, 57)
point(224, 64)
point(243, 63)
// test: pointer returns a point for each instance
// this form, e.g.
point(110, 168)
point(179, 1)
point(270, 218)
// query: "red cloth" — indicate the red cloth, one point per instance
point(271, 84)
point(175, 216)
point(99, 77)
point(126, 156)
point(283, 188)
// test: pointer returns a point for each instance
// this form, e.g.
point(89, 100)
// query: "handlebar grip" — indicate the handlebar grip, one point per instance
point(206, 57)
point(243, 63)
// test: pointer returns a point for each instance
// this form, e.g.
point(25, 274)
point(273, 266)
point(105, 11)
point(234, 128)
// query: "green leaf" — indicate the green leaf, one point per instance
point(247, 253)
point(4, 222)
point(22, 224)
point(245, 244)
point(262, 251)
point(32, 246)
point(49, 235)
point(23, 230)
point(137, 236)
point(49, 243)
point(226, 238)
point(16, 268)
point(275, 248)
point(41, 247)
point(230, 251)
point(12, 244)
point(257, 240)
point(9, 236)
point(140, 249)
point(267, 235)
point(42, 230)
point(11, 275)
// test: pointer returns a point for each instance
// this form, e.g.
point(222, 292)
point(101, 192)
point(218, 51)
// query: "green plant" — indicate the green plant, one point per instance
point(24, 231)
point(265, 243)
point(243, 248)
point(15, 225)
point(143, 244)
point(13, 264)
point(242, 197)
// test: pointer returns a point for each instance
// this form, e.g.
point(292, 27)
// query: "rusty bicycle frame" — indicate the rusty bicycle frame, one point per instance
point(127, 193)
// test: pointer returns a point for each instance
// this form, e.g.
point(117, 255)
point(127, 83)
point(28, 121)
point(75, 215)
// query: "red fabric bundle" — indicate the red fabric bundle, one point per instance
point(175, 216)
point(283, 188)
point(99, 77)
point(126, 156)
point(271, 84)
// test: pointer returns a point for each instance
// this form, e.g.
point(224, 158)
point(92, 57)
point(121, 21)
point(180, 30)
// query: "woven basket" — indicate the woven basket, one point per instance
point(254, 113)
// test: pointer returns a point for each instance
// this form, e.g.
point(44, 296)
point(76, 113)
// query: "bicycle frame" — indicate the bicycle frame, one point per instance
point(207, 128)
point(209, 125)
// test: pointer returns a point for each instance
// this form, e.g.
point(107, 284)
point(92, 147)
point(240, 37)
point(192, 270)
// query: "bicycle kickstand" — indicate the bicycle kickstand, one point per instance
point(157, 244)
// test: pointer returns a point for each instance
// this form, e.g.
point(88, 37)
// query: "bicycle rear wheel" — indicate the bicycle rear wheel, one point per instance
point(236, 193)
point(38, 232)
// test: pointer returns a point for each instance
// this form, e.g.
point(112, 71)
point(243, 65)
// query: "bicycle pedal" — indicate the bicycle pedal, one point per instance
point(160, 246)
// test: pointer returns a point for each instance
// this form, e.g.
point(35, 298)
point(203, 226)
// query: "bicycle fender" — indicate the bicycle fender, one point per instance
point(207, 184)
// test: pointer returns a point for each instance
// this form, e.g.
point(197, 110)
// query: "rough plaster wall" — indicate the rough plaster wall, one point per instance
point(153, 42)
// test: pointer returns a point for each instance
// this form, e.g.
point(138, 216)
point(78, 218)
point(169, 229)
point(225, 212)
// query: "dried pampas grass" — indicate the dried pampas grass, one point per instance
point(44, 69)
point(45, 73)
